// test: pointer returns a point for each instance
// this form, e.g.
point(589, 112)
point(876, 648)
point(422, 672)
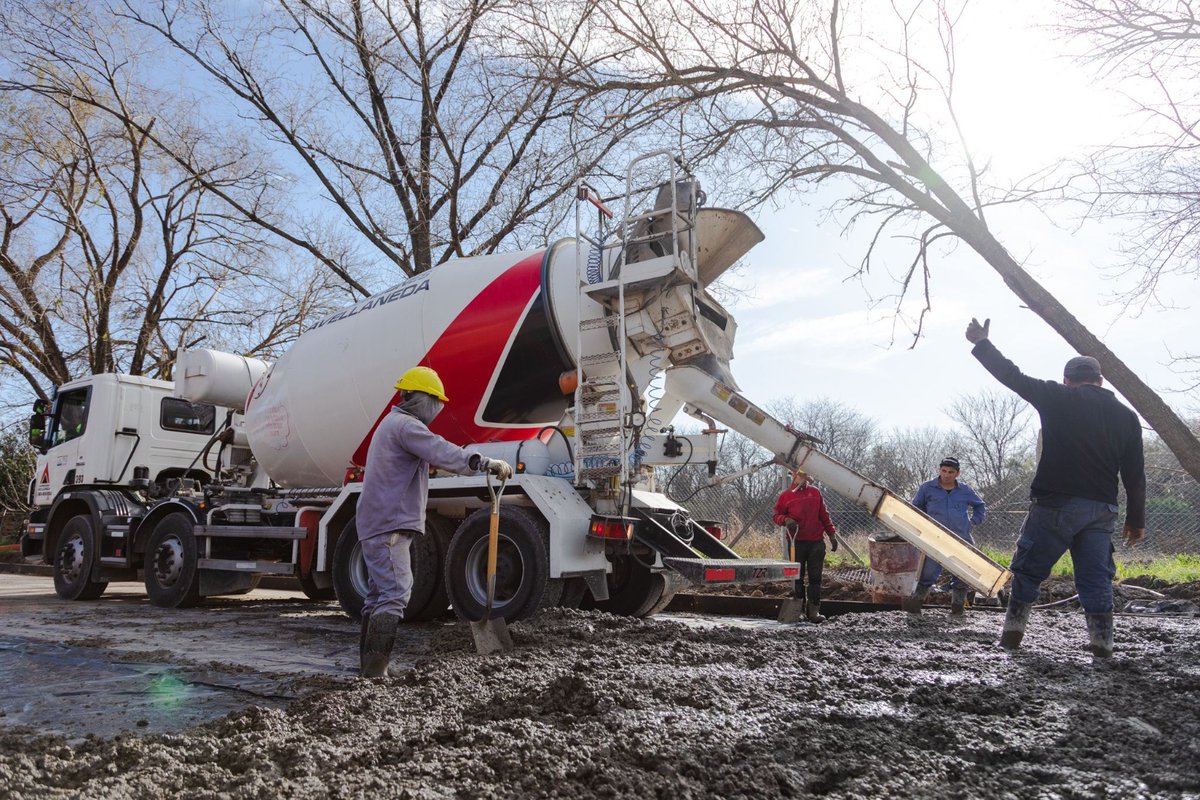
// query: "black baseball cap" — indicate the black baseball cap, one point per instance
point(949, 461)
point(1082, 368)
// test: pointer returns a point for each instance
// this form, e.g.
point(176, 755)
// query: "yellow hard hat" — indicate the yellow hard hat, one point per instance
point(423, 379)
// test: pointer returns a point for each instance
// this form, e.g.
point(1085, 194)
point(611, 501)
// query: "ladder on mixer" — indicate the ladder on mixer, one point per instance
point(606, 419)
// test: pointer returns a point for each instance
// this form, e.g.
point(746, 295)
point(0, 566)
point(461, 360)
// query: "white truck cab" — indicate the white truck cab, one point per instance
point(106, 429)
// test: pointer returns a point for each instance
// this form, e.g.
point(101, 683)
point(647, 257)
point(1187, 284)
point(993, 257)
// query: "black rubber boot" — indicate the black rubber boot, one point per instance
point(912, 604)
point(377, 649)
point(812, 611)
point(362, 640)
point(1100, 634)
point(958, 601)
point(1014, 624)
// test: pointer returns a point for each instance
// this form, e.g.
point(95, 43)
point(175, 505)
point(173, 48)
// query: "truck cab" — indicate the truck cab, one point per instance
point(120, 432)
point(101, 427)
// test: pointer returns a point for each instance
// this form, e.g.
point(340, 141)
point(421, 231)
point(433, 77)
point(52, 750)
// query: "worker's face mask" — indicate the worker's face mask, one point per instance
point(422, 406)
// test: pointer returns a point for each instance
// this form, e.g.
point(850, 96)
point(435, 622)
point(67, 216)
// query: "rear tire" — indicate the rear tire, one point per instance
point(573, 593)
point(172, 571)
point(523, 585)
point(74, 559)
point(429, 569)
point(314, 592)
point(635, 591)
point(351, 582)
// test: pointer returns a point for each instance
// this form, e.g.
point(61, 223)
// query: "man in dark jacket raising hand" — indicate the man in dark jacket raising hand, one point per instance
point(1088, 439)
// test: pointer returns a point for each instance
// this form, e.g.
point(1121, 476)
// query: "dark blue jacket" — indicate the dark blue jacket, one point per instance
point(1088, 439)
point(958, 509)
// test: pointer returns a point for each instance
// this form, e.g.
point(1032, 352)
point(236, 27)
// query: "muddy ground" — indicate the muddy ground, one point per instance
point(866, 705)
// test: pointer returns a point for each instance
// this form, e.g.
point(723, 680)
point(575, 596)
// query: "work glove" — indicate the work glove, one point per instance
point(792, 527)
point(497, 467)
point(833, 542)
point(976, 333)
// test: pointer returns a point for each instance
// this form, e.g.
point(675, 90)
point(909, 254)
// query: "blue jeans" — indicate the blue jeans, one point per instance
point(389, 572)
point(1084, 527)
point(933, 570)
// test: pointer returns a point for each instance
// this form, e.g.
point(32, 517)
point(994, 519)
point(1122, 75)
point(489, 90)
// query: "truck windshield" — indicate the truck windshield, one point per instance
point(70, 416)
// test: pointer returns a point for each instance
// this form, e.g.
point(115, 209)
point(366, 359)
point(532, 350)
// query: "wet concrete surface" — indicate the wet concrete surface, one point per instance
point(866, 705)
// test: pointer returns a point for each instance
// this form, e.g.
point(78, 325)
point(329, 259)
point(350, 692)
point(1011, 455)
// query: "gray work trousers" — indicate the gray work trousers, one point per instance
point(389, 572)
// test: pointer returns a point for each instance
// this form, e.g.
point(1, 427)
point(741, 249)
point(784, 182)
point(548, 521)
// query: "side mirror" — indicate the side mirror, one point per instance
point(38, 424)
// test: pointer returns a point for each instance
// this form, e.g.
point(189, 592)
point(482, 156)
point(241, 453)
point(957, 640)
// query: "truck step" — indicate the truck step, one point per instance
point(614, 448)
point(599, 322)
point(233, 565)
point(599, 472)
point(250, 532)
point(600, 358)
point(734, 570)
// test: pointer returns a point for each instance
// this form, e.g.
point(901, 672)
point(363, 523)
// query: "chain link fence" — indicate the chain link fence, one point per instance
point(745, 506)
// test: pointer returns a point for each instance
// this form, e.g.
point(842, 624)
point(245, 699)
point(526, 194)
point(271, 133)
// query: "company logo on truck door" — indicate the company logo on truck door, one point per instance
point(406, 289)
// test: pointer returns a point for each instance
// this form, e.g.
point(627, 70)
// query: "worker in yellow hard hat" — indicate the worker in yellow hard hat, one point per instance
point(391, 508)
point(423, 379)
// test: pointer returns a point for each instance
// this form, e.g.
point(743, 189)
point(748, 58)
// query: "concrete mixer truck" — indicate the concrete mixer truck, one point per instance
point(571, 363)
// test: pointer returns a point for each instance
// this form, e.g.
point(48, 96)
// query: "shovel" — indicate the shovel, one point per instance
point(491, 635)
point(792, 608)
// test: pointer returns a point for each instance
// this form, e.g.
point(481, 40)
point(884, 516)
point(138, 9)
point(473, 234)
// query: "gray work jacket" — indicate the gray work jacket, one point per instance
point(396, 480)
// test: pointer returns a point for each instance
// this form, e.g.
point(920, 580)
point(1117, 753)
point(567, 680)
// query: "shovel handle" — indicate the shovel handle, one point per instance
point(493, 544)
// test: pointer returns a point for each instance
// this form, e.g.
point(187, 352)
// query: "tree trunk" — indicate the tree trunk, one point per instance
point(1166, 423)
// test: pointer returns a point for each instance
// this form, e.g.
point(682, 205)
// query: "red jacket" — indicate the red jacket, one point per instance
point(807, 507)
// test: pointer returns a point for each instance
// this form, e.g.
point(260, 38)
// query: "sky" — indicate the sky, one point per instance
point(807, 329)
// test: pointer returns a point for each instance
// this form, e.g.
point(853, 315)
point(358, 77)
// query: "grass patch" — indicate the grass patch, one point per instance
point(1180, 568)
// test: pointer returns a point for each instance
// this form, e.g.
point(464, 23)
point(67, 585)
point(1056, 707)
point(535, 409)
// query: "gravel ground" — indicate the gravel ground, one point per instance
point(867, 705)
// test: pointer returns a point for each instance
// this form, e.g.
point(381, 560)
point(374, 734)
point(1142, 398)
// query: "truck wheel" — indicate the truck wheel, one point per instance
point(74, 559)
point(172, 569)
point(350, 573)
point(314, 592)
point(574, 590)
point(635, 591)
point(429, 568)
point(523, 584)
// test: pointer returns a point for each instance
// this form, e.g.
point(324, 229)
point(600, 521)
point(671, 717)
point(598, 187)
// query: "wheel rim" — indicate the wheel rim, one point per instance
point(168, 561)
point(358, 571)
point(510, 571)
point(70, 558)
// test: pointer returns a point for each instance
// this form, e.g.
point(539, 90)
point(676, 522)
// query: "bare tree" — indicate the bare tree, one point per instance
point(17, 461)
point(844, 432)
point(995, 428)
point(414, 124)
point(1151, 184)
point(111, 255)
point(905, 458)
point(793, 90)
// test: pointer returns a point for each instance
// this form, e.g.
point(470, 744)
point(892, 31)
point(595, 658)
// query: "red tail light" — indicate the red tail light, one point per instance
point(611, 528)
point(353, 475)
point(725, 574)
point(716, 531)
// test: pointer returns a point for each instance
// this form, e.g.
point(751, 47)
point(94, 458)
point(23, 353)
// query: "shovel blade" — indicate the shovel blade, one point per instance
point(791, 610)
point(491, 636)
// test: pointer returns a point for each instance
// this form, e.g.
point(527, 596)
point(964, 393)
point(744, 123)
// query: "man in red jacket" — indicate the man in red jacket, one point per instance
point(801, 510)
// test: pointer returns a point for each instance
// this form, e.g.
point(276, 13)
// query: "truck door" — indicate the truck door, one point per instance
point(64, 464)
point(128, 414)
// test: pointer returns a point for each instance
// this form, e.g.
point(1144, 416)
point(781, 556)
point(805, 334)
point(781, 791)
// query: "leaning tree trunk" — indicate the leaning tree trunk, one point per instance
point(1166, 423)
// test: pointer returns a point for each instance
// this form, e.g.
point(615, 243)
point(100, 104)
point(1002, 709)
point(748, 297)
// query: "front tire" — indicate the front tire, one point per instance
point(523, 584)
point(172, 563)
point(74, 559)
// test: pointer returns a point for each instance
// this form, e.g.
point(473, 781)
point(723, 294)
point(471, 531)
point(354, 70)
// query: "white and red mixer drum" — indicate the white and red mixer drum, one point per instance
point(484, 324)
